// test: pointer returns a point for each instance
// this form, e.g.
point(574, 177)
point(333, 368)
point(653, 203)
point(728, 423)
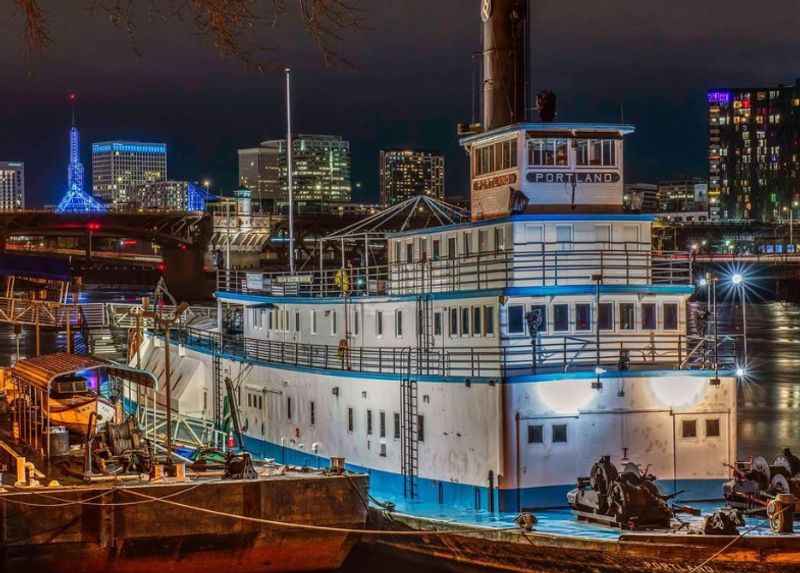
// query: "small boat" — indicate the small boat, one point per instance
point(72, 405)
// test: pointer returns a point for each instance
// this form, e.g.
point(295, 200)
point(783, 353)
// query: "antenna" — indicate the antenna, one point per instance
point(289, 166)
point(72, 98)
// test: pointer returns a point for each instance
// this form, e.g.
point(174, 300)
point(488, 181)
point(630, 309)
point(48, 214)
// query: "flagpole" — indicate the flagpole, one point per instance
point(289, 166)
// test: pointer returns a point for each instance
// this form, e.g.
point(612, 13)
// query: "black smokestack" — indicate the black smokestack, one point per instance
point(505, 39)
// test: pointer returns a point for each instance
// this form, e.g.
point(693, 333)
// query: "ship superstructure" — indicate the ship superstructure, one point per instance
point(486, 364)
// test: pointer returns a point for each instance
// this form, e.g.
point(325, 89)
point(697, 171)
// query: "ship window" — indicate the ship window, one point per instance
point(453, 322)
point(536, 434)
point(313, 322)
point(382, 424)
point(396, 426)
point(539, 316)
point(334, 322)
point(547, 152)
point(564, 237)
point(383, 451)
point(648, 316)
point(515, 323)
point(483, 241)
point(398, 323)
point(560, 317)
point(350, 420)
point(297, 321)
point(583, 316)
point(559, 433)
point(488, 320)
point(437, 323)
point(476, 320)
point(670, 316)
point(355, 321)
point(397, 249)
point(270, 320)
point(499, 239)
point(605, 316)
point(379, 323)
point(712, 428)
point(420, 428)
point(369, 422)
point(437, 249)
point(689, 428)
point(288, 407)
point(466, 240)
point(626, 316)
point(409, 252)
point(451, 248)
point(313, 412)
point(465, 321)
point(582, 152)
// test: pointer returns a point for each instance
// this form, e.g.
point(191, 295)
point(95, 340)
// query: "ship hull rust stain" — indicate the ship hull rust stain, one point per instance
point(155, 536)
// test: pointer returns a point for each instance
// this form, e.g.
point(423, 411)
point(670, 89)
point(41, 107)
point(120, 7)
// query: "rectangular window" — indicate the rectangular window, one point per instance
point(297, 321)
point(712, 428)
point(564, 237)
point(453, 322)
point(437, 249)
point(605, 316)
point(476, 321)
point(350, 420)
point(397, 251)
point(313, 322)
point(539, 317)
point(382, 424)
point(288, 407)
point(451, 248)
point(355, 321)
point(398, 323)
point(396, 426)
point(420, 428)
point(437, 323)
point(559, 433)
point(560, 317)
point(689, 428)
point(583, 316)
point(547, 152)
point(648, 316)
point(626, 316)
point(312, 410)
point(516, 324)
point(670, 316)
point(379, 323)
point(270, 315)
point(466, 244)
point(409, 252)
point(488, 320)
point(483, 240)
point(465, 321)
point(582, 152)
point(334, 322)
point(369, 422)
point(499, 239)
point(536, 434)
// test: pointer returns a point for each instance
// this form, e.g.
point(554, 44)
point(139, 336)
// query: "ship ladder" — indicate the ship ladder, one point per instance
point(409, 435)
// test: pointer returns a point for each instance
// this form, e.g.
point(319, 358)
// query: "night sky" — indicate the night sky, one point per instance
point(410, 83)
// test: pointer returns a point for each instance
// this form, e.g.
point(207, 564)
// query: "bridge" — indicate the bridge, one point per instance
point(182, 237)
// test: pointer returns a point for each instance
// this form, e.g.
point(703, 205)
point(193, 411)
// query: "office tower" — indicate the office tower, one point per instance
point(118, 167)
point(405, 173)
point(169, 196)
point(12, 186)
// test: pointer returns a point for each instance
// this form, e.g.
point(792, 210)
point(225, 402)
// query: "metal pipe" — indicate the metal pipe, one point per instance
point(289, 166)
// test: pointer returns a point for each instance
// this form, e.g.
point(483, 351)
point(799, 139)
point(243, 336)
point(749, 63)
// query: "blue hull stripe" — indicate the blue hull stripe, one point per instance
point(388, 486)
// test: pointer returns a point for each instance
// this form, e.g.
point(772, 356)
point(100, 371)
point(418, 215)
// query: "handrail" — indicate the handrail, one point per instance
point(554, 353)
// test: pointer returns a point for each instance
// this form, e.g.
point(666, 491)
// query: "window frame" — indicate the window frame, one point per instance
point(556, 328)
point(623, 306)
point(535, 431)
point(586, 306)
point(558, 427)
point(521, 320)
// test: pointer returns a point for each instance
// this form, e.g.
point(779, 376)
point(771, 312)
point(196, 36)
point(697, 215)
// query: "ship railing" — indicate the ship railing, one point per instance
point(546, 354)
point(542, 265)
point(124, 315)
point(52, 314)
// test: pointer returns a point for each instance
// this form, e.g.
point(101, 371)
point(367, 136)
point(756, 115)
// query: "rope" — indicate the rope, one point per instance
point(90, 500)
point(310, 527)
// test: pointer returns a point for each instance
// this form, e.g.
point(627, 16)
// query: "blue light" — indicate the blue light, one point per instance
point(129, 147)
point(719, 97)
point(77, 201)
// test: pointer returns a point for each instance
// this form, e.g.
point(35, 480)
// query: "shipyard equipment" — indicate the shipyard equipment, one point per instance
point(628, 499)
point(757, 483)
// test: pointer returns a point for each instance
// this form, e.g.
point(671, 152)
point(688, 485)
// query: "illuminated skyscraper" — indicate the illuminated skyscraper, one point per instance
point(754, 151)
point(118, 167)
point(405, 173)
point(12, 186)
point(321, 171)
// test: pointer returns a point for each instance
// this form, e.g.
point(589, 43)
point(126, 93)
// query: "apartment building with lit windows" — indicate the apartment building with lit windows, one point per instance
point(320, 171)
point(119, 167)
point(405, 173)
point(12, 185)
point(753, 151)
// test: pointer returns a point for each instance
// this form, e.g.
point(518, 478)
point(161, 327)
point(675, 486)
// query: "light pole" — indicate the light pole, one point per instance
point(738, 282)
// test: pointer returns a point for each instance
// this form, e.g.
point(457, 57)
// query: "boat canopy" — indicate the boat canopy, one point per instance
point(42, 370)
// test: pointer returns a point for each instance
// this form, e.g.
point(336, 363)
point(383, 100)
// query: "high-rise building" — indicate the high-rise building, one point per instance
point(640, 198)
point(320, 171)
point(405, 173)
point(12, 185)
point(168, 196)
point(680, 195)
point(753, 151)
point(118, 167)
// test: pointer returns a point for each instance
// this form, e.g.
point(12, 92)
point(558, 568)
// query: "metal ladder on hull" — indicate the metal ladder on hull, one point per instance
point(218, 391)
point(409, 433)
point(425, 339)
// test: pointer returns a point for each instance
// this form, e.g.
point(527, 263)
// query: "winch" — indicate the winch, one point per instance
point(628, 499)
point(756, 482)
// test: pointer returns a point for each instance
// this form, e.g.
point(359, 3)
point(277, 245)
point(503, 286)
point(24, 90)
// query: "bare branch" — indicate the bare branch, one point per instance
point(37, 37)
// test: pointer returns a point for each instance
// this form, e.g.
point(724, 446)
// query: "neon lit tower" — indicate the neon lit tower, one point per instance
point(75, 168)
point(76, 200)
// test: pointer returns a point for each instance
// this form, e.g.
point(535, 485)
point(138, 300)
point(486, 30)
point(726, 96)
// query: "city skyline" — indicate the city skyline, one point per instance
point(159, 96)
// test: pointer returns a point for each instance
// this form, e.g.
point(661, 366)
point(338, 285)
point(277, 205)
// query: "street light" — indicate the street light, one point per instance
point(738, 282)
